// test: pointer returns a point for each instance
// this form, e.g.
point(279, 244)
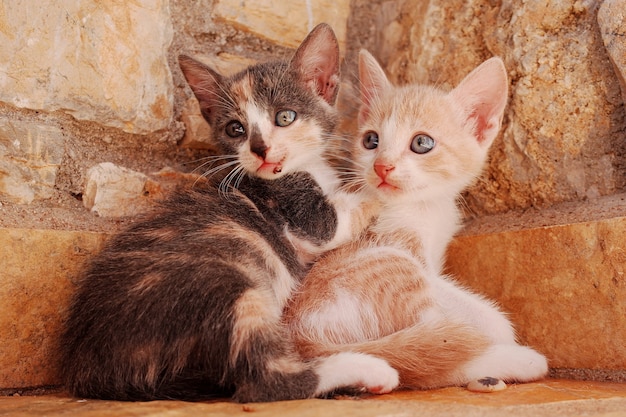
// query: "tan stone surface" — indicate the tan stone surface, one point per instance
point(564, 287)
point(546, 398)
point(36, 268)
point(612, 22)
point(285, 23)
point(98, 61)
point(30, 156)
point(114, 191)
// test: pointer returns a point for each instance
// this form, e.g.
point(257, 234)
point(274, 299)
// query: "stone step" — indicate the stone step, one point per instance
point(563, 286)
point(545, 398)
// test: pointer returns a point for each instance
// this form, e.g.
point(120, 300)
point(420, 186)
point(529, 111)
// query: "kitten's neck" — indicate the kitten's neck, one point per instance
point(434, 223)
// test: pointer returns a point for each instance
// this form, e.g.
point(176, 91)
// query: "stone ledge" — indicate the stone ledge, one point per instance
point(564, 287)
point(37, 269)
point(539, 399)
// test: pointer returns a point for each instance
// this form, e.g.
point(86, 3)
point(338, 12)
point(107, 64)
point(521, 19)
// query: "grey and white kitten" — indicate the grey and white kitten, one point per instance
point(187, 303)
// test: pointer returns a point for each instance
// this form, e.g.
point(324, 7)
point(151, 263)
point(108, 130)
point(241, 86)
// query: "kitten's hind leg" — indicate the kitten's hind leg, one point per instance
point(355, 370)
point(264, 367)
point(512, 363)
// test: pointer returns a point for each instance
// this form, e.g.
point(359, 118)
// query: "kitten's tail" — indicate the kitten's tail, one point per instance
point(426, 356)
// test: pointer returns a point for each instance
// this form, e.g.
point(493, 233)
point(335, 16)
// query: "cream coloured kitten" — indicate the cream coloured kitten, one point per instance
point(385, 294)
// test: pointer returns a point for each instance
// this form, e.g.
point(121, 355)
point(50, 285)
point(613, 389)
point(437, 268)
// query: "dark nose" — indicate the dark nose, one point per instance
point(257, 145)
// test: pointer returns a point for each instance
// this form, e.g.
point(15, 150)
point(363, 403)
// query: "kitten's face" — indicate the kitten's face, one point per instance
point(421, 143)
point(414, 144)
point(273, 118)
point(271, 121)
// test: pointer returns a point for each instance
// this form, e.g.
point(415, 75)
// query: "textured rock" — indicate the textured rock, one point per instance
point(30, 156)
point(98, 61)
point(564, 287)
point(564, 131)
point(540, 399)
point(37, 269)
point(612, 22)
point(113, 191)
point(285, 23)
point(197, 130)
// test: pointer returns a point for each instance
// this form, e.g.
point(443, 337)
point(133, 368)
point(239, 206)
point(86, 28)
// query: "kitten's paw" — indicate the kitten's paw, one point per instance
point(509, 363)
point(356, 370)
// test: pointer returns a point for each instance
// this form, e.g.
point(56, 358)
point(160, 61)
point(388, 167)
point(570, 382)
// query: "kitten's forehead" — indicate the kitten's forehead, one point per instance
point(242, 89)
point(406, 111)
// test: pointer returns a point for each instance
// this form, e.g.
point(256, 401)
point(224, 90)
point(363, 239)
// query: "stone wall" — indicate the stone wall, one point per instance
point(85, 82)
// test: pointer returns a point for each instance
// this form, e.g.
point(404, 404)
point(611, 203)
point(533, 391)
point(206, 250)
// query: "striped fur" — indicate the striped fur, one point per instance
point(187, 303)
point(384, 294)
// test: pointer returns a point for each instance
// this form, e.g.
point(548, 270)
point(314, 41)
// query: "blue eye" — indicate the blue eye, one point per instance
point(370, 140)
point(234, 129)
point(422, 144)
point(285, 118)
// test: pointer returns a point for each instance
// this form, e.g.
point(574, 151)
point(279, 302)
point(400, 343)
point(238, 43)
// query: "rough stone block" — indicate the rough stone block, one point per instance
point(114, 191)
point(99, 61)
point(564, 287)
point(37, 269)
point(30, 156)
point(285, 23)
point(612, 22)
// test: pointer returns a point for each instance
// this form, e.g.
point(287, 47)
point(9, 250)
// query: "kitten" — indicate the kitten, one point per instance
point(385, 294)
point(187, 303)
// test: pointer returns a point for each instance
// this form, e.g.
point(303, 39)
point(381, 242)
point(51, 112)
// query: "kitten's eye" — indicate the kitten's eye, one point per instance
point(285, 117)
point(234, 129)
point(370, 140)
point(422, 144)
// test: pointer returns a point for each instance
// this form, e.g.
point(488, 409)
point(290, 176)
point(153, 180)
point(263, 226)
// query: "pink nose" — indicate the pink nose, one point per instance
point(383, 170)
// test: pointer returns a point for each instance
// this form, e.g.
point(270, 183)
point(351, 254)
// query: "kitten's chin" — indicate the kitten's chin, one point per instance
point(386, 187)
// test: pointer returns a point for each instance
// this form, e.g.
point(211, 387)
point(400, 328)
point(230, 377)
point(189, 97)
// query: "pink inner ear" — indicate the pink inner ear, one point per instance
point(483, 94)
point(483, 123)
point(325, 85)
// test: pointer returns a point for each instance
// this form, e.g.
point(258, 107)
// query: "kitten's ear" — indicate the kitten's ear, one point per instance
point(205, 83)
point(373, 82)
point(317, 62)
point(483, 95)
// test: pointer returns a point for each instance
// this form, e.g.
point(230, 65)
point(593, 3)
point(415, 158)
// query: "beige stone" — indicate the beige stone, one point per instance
point(612, 22)
point(226, 63)
point(30, 156)
point(564, 287)
point(114, 191)
point(37, 269)
point(197, 130)
point(285, 23)
point(99, 61)
point(547, 398)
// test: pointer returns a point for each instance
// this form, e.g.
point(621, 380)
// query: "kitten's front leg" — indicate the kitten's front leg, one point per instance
point(355, 212)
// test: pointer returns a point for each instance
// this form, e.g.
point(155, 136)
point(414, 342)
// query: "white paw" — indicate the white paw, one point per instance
point(509, 363)
point(356, 370)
